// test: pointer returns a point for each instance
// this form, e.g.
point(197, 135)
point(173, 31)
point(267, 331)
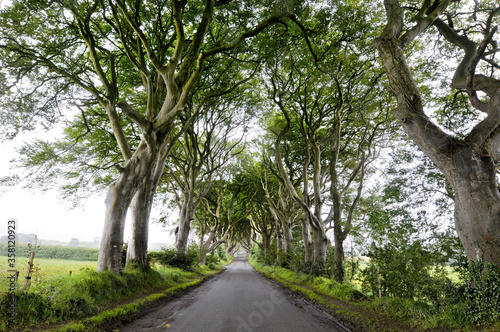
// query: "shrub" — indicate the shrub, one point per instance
point(481, 292)
point(407, 270)
point(171, 257)
point(221, 252)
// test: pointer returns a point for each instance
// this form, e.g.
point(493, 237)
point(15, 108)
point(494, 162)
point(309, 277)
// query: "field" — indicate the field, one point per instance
point(42, 268)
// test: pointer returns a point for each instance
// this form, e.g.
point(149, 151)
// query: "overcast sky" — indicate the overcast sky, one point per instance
point(47, 216)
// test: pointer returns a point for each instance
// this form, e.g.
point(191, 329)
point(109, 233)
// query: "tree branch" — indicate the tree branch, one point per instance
point(395, 20)
point(135, 116)
point(471, 91)
point(238, 40)
point(489, 85)
point(151, 54)
point(424, 21)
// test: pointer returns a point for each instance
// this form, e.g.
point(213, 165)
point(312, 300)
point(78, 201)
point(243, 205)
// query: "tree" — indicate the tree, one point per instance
point(284, 211)
point(468, 162)
point(219, 216)
point(206, 146)
point(142, 59)
point(294, 160)
point(333, 105)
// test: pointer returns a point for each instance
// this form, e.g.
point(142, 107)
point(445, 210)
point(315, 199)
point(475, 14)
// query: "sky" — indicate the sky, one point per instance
point(45, 214)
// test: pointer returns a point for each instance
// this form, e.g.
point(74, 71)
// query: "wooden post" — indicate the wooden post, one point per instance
point(378, 280)
point(70, 272)
point(28, 274)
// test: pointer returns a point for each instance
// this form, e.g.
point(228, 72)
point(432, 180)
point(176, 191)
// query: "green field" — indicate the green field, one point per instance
point(42, 268)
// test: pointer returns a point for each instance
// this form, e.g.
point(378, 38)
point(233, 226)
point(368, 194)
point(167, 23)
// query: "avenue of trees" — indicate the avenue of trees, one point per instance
point(268, 123)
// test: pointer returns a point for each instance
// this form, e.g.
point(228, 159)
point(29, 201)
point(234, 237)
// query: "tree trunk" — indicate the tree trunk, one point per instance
point(110, 252)
point(206, 247)
point(306, 238)
point(140, 209)
point(265, 245)
point(279, 236)
point(338, 254)
point(287, 236)
point(117, 202)
point(203, 256)
point(477, 207)
point(320, 243)
point(137, 251)
point(230, 248)
point(185, 217)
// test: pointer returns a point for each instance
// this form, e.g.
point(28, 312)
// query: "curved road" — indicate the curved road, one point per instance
point(238, 300)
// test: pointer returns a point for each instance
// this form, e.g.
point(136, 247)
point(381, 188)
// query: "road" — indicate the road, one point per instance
point(237, 300)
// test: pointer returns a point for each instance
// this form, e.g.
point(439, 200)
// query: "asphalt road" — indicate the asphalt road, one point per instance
point(238, 300)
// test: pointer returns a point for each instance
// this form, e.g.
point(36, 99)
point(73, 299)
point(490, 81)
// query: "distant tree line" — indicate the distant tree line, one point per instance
point(55, 252)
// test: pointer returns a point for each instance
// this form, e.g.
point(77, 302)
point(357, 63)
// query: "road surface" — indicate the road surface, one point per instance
point(238, 300)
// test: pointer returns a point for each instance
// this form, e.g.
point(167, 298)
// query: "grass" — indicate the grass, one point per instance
point(43, 268)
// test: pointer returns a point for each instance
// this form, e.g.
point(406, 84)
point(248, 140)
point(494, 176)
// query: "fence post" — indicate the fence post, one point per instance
point(28, 274)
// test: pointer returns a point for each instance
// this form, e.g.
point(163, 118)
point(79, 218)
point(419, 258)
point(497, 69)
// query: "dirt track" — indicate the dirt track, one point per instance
point(238, 300)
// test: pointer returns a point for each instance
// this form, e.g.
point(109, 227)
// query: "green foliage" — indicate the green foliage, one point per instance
point(128, 312)
point(293, 260)
point(216, 258)
point(407, 271)
point(221, 253)
point(55, 252)
point(267, 256)
point(171, 257)
point(481, 292)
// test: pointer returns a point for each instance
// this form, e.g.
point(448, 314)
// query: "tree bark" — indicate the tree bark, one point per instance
point(477, 206)
point(140, 209)
point(320, 243)
point(118, 199)
point(279, 236)
point(338, 254)
point(306, 238)
point(287, 235)
point(205, 248)
point(185, 218)
point(211, 244)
